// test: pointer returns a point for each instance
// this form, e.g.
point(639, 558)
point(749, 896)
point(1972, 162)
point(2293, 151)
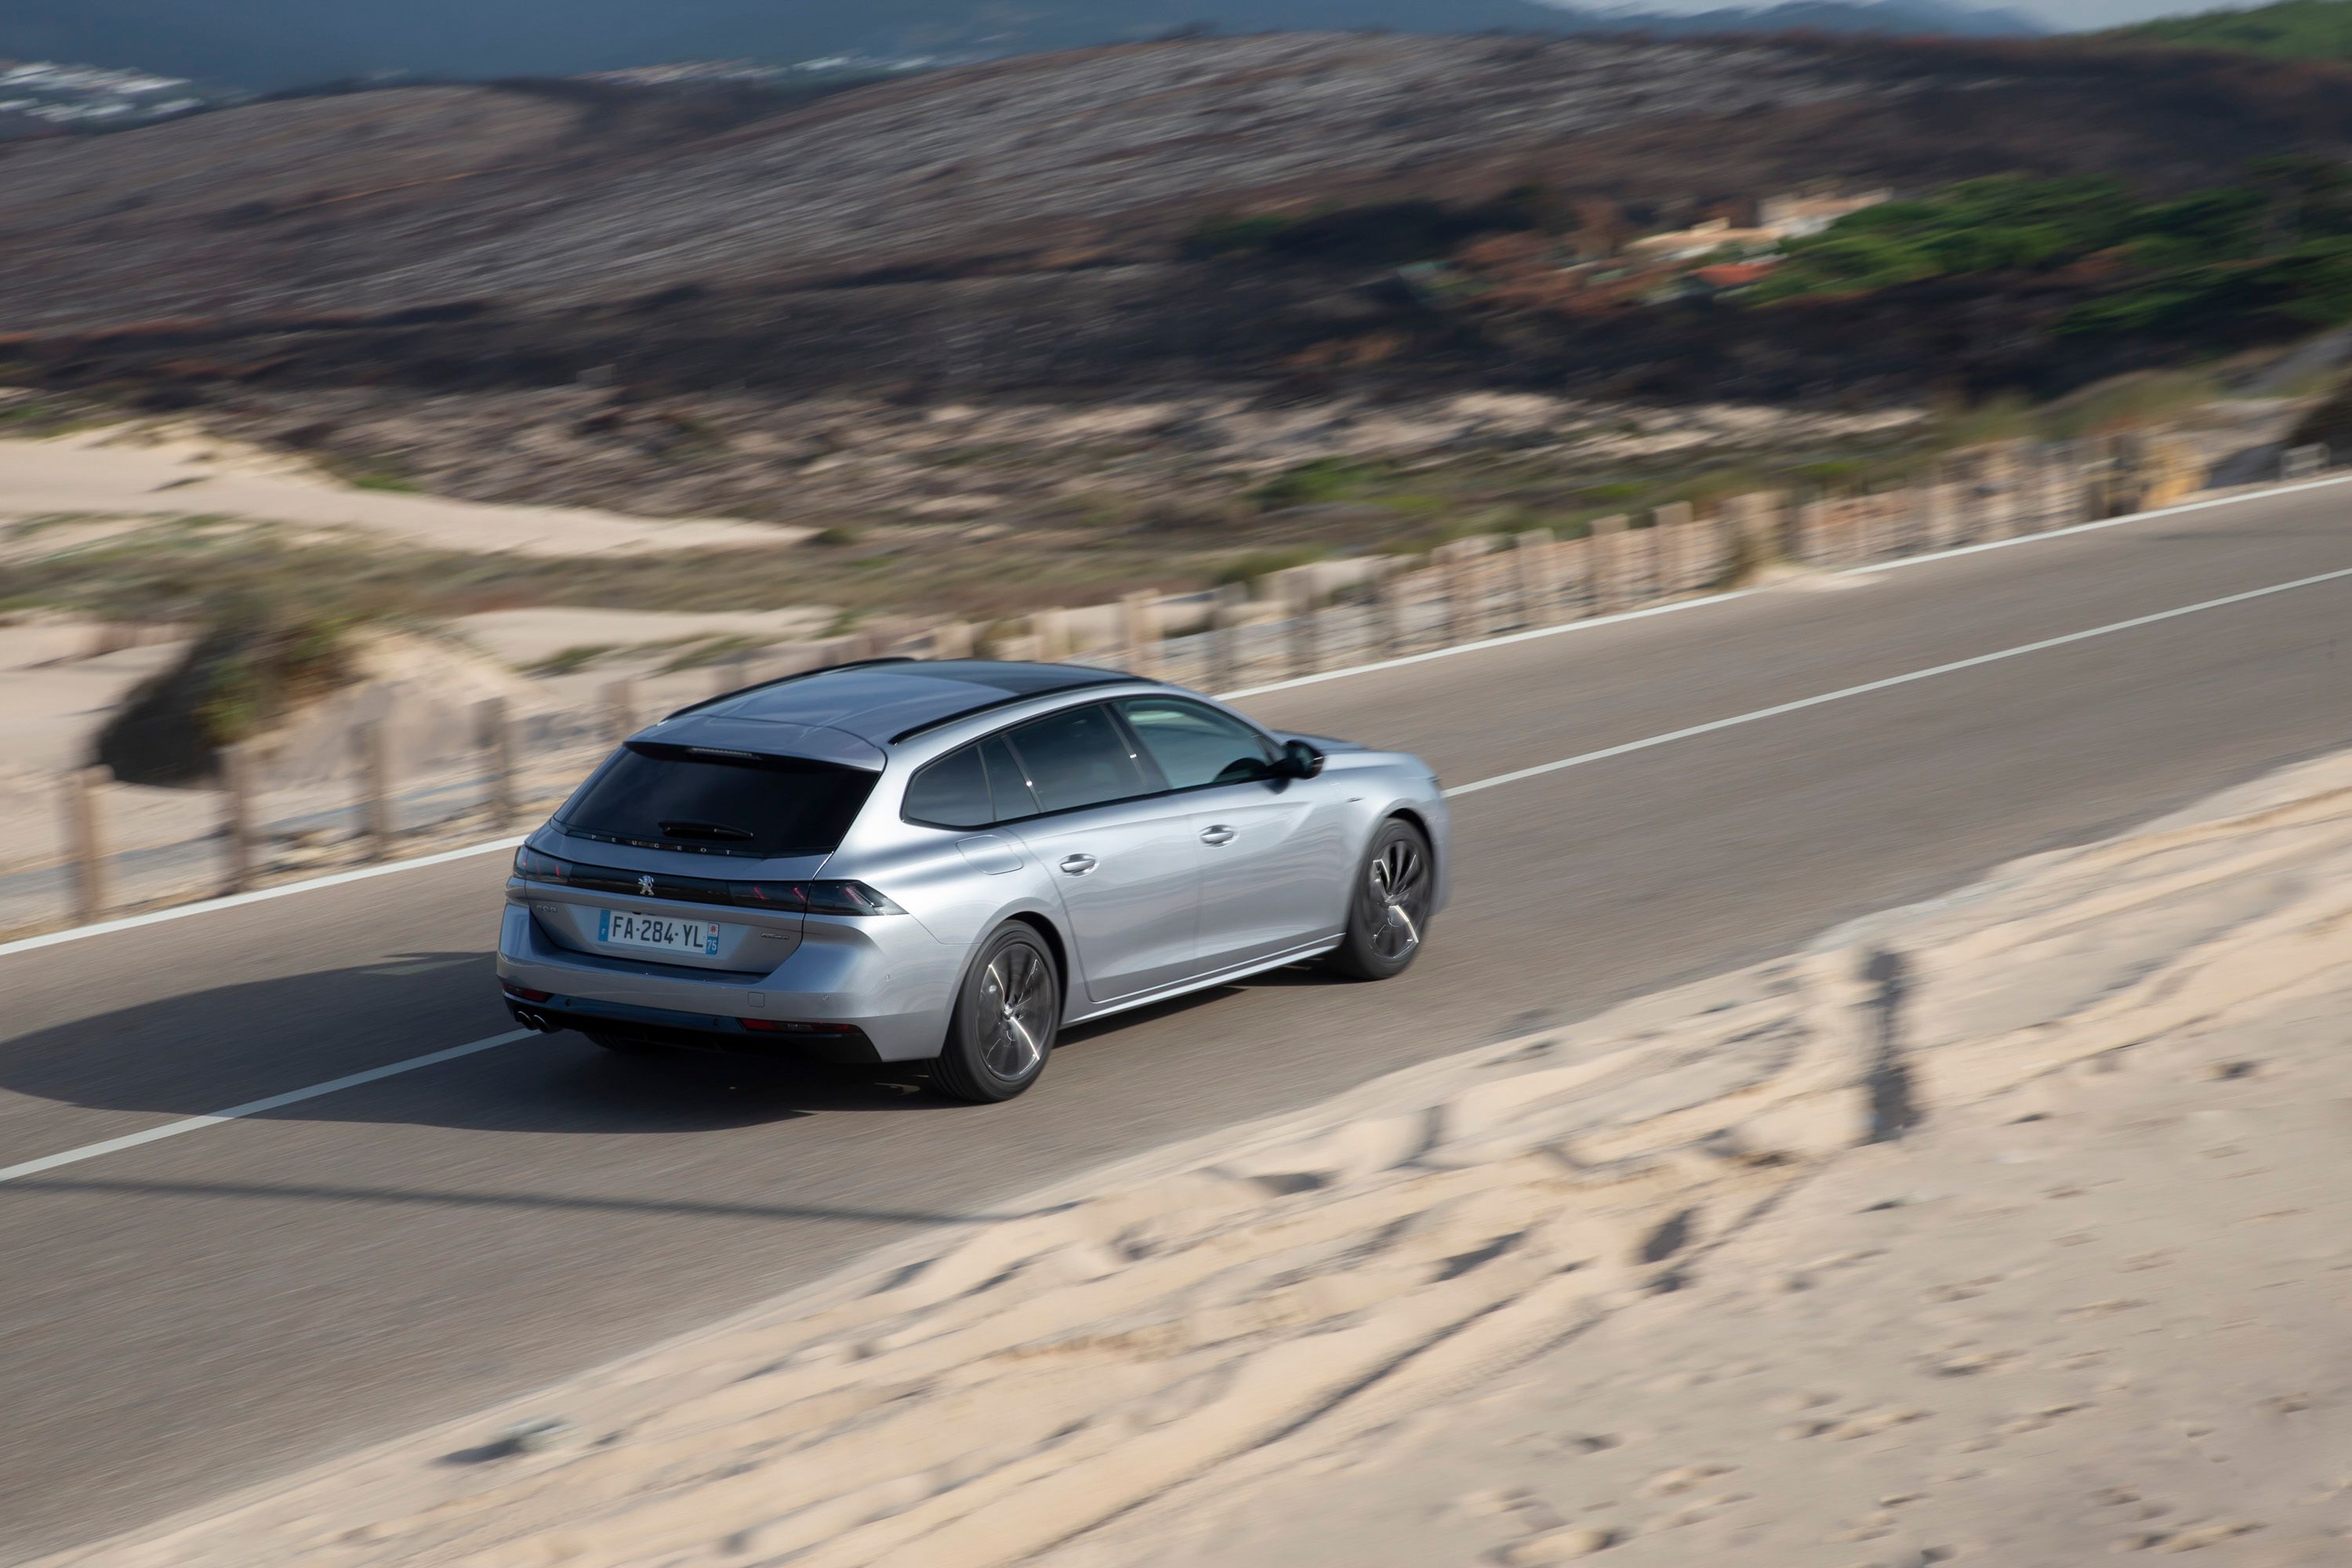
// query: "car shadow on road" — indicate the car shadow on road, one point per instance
point(209, 1051)
point(205, 1052)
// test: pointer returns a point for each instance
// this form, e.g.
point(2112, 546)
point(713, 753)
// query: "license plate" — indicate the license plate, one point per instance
point(619, 928)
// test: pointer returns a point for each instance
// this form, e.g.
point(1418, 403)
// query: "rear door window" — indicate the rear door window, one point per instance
point(1008, 784)
point(1194, 745)
point(717, 803)
point(1077, 757)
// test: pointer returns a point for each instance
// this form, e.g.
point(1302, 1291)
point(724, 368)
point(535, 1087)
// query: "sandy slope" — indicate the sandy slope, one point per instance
point(2006, 1228)
point(131, 471)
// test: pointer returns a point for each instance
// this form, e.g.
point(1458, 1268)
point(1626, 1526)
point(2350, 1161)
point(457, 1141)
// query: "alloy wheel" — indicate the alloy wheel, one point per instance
point(1396, 898)
point(1015, 1011)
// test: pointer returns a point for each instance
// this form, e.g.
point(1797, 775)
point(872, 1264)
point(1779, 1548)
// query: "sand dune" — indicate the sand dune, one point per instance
point(135, 472)
point(2007, 1227)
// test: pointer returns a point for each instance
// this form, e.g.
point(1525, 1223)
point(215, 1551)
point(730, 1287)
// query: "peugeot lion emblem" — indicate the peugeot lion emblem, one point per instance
point(646, 886)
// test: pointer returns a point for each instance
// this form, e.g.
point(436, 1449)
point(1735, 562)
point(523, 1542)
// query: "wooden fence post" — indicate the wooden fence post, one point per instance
point(1227, 609)
point(1388, 609)
point(1753, 524)
point(2001, 472)
point(496, 735)
point(1052, 629)
point(1535, 553)
point(1298, 604)
point(238, 766)
point(620, 710)
point(1138, 626)
point(952, 640)
point(1671, 523)
point(1464, 588)
point(1608, 563)
point(83, 843)
point(372, 739)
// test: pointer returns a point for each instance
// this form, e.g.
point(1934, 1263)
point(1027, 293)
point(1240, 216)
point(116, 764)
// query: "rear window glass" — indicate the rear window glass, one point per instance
point(1078, 758)
point(680, 797)
point(951, 793)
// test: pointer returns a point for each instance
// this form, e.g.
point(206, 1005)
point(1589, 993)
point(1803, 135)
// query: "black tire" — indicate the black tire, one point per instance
point(995, 1049)
point(1388, 905)
point(620, 1045)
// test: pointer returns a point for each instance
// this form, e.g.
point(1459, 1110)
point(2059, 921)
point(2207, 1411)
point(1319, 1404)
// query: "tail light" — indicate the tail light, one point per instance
point(848, 899)
point(814, 898)
point(532, 865)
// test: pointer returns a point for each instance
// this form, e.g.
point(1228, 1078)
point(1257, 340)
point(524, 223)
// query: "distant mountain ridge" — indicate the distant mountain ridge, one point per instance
point(277, 44)
point(1889, 17)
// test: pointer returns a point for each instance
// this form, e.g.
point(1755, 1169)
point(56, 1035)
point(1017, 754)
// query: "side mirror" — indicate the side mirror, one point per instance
point(1299, 760)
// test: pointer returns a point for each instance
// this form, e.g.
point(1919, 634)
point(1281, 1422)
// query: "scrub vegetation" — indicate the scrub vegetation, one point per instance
point(2272, 253)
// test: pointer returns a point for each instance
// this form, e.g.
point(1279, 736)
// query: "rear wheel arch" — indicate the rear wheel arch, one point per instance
point(1055, 945)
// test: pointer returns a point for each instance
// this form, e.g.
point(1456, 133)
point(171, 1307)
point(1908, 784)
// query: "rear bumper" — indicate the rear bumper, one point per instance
point(893, 991)
point(689, 1031)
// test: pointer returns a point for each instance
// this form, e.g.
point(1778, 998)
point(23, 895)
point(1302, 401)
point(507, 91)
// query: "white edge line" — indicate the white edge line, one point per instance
point(2092, 527)
point(253, 1108)
point(235, 901)
point(1819, 698)
point(261, 895)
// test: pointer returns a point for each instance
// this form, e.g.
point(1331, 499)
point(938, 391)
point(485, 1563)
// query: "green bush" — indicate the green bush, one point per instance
point(2275, 253)
point(1323, 480)
point(1266, 563)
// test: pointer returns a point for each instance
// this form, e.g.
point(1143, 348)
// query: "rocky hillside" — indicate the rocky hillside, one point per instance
point(1036, 223)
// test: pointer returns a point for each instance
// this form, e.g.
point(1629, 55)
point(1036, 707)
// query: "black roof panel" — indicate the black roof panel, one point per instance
point(884, 700)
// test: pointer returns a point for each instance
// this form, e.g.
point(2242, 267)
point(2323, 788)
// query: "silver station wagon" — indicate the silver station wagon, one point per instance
point(910, 860)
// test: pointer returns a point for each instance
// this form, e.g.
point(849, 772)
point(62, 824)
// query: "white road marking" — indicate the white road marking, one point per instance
point(253, 1108)
point(238, 901)
point(210, 906)
point(2176, 511)
point(1867, 686)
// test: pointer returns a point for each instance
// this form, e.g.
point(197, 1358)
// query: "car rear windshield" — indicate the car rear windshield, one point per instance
point(719, 803)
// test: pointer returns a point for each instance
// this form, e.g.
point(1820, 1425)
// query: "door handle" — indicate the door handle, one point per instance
point(1218, 834)
point(1077, 865)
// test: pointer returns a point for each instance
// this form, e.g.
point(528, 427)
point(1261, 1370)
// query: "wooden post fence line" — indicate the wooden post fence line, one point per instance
point(620, 710)
point(495, 733)
point(374, 743)
point(238, 767)
point(83, 843)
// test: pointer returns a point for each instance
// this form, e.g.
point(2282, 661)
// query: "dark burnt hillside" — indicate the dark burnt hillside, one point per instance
point(1034, 223)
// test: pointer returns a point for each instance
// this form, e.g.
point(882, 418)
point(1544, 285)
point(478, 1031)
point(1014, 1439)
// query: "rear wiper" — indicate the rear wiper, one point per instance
point(704, 830)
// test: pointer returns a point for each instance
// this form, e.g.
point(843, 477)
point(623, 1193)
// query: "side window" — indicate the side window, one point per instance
point(1006, 781)
point(1077, 757)
point(951, 793)
point(1194, 745)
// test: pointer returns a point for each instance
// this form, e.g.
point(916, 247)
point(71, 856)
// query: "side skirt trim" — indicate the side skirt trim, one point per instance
point(1202, 982)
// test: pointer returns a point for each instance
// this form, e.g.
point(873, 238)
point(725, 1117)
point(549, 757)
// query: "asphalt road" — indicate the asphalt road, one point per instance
point(206, 1313)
